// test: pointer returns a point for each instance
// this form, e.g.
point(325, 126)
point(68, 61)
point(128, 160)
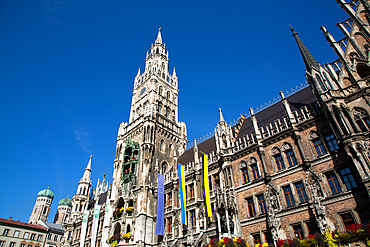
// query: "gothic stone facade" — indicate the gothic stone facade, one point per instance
point(299, 166)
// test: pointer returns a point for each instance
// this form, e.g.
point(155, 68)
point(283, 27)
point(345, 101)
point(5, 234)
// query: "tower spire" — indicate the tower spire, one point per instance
point(308, 59)
point(221, 116)
point(159, 37)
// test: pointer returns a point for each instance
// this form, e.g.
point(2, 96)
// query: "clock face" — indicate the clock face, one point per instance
point(142, 91)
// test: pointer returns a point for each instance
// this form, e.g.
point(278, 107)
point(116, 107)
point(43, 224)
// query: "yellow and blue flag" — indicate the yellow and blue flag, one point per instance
point(182, 193)
point(207, 199)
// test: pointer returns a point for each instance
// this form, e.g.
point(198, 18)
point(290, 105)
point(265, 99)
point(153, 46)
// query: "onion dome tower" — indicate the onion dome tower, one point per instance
point(42, 206)
point(63, 211)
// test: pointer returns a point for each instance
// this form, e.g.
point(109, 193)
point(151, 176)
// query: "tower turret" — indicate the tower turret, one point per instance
point(81, 197)
point(42, 206)
point(63, 211)
point(149, 143)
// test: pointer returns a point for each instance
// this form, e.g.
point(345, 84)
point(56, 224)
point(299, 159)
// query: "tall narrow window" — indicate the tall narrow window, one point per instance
point(331, 142)
point(251, 209)
point(191, 190)
point(279, 162)
point(213, 212)
point(319, 147)
point(348, 179)
point(192, 218)
point(160, 90)
point(255, 173)
point(245, 175)
point(169, 225)
point(288, 196)
point(291, 158)
point(169, 199)
point(216, 180)
point(333, 183)
point(262, 204)
point(301, 192)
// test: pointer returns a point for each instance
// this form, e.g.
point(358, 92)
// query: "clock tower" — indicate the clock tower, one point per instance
point(148, 144)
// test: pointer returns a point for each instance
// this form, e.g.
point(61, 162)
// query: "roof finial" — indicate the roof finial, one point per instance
point(221, 116)
point(89, 164)
point(292, 29)
point(159, 37)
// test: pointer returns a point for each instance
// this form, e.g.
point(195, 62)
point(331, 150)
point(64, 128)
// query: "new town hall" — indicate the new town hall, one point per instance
point(299, 166)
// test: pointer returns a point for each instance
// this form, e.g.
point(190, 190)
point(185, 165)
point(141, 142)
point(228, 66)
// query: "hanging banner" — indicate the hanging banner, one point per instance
point(207, 200)
point(95, 224)
point(85, 218)
point(182, 193)
point(159, 229)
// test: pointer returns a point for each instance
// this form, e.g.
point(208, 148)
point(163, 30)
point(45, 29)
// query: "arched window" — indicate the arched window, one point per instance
point(35, 210)
point(167, 112)
point(254, 168)
point(117, 229)
point(120, 203)
point(224, 142)
point(278, 159)
point(45, 210)
point(362, 119)
point(161, 148)
point(164, 168)
point(317, 143)
point(84, 191)
point(160, 91)
point(168, 95)
point(170, 150)
point(244, 172)
point(289, 154)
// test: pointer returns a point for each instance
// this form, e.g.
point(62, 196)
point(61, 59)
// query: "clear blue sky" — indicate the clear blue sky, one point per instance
point(67, 70)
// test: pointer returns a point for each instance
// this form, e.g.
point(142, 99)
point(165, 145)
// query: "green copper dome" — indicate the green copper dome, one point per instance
point(65, 202)
point(46, 193)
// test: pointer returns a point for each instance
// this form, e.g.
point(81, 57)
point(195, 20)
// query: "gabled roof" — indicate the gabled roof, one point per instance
point(300, 99)
point(206, 147)
point(276, 111)
point(18, 223)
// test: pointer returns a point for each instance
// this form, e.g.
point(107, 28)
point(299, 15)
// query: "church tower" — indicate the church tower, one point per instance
point(63, 211)
point(42, 206)
point(147, 144)
point(80, 199)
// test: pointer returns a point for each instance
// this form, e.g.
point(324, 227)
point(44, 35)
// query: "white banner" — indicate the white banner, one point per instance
point(85, 218)
point(95, 225)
